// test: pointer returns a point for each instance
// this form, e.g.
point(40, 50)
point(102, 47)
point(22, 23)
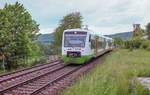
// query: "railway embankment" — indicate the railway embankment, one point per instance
point(117, 75)
point(29, 63)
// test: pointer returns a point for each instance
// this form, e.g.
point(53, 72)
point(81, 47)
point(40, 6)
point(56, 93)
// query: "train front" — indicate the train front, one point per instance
point(74, 47)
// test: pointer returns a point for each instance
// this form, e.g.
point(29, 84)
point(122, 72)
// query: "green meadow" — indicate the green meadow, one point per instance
point(116, 75)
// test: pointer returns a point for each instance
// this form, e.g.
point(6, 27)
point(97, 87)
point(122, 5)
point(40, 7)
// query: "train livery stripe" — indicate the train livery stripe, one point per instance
point(77, 60)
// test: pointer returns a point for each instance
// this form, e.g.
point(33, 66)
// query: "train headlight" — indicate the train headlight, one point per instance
point(75, 32)
point(82, 49)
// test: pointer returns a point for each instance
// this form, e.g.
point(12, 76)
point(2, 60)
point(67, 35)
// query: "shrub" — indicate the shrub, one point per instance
point(136, 43)
point(145, 44)
point(133, 43)
point(127, 44)
point(148, 48)
point(118, 42)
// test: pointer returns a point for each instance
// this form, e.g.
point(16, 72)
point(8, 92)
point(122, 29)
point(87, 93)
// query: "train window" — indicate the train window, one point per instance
point(89, 38)
point(100, 42)
point(92, 43)
point(104, 43)
point(74, 40)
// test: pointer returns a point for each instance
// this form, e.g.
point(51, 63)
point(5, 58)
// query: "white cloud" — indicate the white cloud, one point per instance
point(110, 30)
point(108, 16)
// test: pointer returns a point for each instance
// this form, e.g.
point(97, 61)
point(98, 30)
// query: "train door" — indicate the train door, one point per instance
point(104, 44)
point(96, 45)
point(109, 44)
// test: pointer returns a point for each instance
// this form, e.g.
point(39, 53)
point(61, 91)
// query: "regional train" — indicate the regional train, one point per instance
point(80, 45)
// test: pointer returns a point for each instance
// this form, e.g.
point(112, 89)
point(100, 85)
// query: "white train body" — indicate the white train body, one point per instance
point(79, 45)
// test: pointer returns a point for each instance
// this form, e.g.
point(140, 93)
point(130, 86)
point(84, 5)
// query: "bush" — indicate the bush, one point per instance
point(133, 43)
point(127, 44)
point(118, 42)
point(145, 44)
point(136, 43)
point(148, 48)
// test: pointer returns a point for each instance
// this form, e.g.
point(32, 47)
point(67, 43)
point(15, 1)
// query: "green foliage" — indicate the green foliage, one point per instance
point(17, 32)
point(138, 41)
point(70, 21)
point(138, 33)
point(116, 75)
point(134, 43)
point(47, 49)
point(145, 44)
point(148, 30)
point(118, 42)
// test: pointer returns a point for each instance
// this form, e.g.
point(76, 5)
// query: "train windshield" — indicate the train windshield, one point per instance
point(74, 40)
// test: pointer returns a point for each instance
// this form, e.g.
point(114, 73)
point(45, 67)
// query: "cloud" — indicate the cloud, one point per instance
point(107, 16)
point(110, 30)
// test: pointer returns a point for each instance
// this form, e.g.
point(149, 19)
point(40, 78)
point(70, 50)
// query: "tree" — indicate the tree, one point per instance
point(70, 21)
point(118, 42)
point(17, 33)
point(148, 30)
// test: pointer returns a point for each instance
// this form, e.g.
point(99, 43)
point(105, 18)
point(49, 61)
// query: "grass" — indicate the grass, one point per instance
point(25, 63)
point(116, 75)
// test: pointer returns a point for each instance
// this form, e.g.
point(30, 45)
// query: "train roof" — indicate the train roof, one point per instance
point(90, 31)
point(104, 36)
point(107, 37)
point(77, 29)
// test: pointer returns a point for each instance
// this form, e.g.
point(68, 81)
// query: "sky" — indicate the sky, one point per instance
point(101, 16)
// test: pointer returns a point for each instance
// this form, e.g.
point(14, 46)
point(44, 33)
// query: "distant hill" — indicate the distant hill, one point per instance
point(124, 35)
point(48, 38)
point(45, 38)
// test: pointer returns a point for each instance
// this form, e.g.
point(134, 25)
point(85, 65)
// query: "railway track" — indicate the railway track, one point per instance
point(19, 77)
point(32, 85)
point(18, 73)
point(35, 80)
point(31, 80)
point(14, 72)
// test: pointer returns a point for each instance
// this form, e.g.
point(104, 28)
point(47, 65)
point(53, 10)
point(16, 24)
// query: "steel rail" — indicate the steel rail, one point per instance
point(28, 72)
point(28, 80)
